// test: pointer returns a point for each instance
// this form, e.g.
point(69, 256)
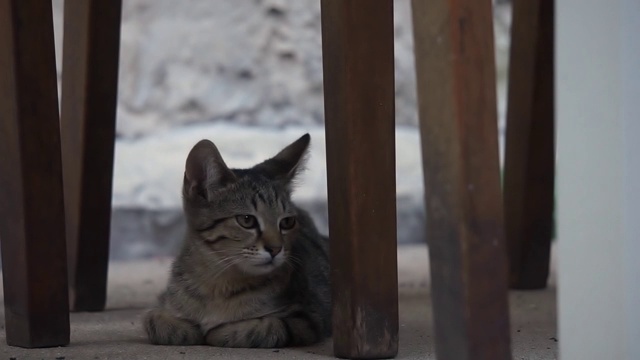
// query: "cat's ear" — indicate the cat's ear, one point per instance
point(288, 162)
point(205, 170)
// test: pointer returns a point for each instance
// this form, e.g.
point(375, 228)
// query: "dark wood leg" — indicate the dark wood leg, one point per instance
point(458, 122)
point(34, 259)
point(529, 172)
point(89, 97)
point(357, 44)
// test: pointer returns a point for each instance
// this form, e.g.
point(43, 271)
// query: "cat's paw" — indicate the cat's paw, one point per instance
point(162, 328)
point(253, 333)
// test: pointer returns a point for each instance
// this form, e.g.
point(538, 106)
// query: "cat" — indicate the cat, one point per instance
point(253, 270)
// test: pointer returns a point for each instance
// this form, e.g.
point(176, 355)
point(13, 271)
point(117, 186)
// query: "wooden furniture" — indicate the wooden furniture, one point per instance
point(529, 172)
point(458, 122)
point(87, 127)
point(34, 260)
point(456, 87)
point(357, 47)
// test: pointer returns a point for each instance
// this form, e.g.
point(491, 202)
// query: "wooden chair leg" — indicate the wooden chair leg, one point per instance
point(31, 201)
point(458, 122)
point(529, 174)
point(89, 97)
point(357, 39)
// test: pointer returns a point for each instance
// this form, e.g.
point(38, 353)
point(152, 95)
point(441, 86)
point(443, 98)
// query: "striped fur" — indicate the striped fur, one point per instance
point(253, 270)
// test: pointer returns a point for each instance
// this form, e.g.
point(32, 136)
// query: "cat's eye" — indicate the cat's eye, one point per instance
point(288, 223)
point(247, 221)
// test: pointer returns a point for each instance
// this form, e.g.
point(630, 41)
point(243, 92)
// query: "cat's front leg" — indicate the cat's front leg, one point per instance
point(163, 328)
point(267, 332)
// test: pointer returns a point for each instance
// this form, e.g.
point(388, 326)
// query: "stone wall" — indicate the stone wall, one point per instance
point(254, 62)
point(189, 68)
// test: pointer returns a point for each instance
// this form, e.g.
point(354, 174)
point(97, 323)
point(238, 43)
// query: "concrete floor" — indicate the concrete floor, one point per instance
point(116, 333)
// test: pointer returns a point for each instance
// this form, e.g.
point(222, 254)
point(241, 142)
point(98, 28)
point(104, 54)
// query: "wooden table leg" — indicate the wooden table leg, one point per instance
point(89, 98)
point(357, 44)
point(458, 122)
point(529, 172)
point(34, 258)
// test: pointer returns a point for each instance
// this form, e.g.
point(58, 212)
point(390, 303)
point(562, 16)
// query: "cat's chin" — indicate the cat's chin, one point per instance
point(260, 269)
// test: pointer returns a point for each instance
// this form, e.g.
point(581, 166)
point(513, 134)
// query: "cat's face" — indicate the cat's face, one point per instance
point(243, 219)
point(254, 229)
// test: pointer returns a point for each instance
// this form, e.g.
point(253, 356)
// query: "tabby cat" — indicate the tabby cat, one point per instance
point(253, 270)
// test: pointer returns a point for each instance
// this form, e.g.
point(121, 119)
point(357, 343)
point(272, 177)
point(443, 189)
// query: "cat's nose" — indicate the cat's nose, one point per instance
point(273, 250)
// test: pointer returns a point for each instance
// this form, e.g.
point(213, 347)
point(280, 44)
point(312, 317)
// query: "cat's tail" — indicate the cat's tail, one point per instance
point(163, 328)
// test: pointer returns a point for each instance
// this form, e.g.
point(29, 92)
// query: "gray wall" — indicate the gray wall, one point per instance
point(598, 93)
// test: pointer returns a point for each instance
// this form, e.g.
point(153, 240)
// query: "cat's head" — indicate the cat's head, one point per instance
point(243, 219)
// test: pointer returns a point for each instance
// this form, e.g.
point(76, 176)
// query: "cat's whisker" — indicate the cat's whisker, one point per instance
point(227, 267)
point(219, 251)
point(231, 258)
point(295, 260)
point(293, 267)
point(290, 265)
point(228, 259)
point(222, 263)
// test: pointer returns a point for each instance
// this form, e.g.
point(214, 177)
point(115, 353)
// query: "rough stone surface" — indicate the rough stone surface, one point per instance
point(255, 62)
point(189, 68)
